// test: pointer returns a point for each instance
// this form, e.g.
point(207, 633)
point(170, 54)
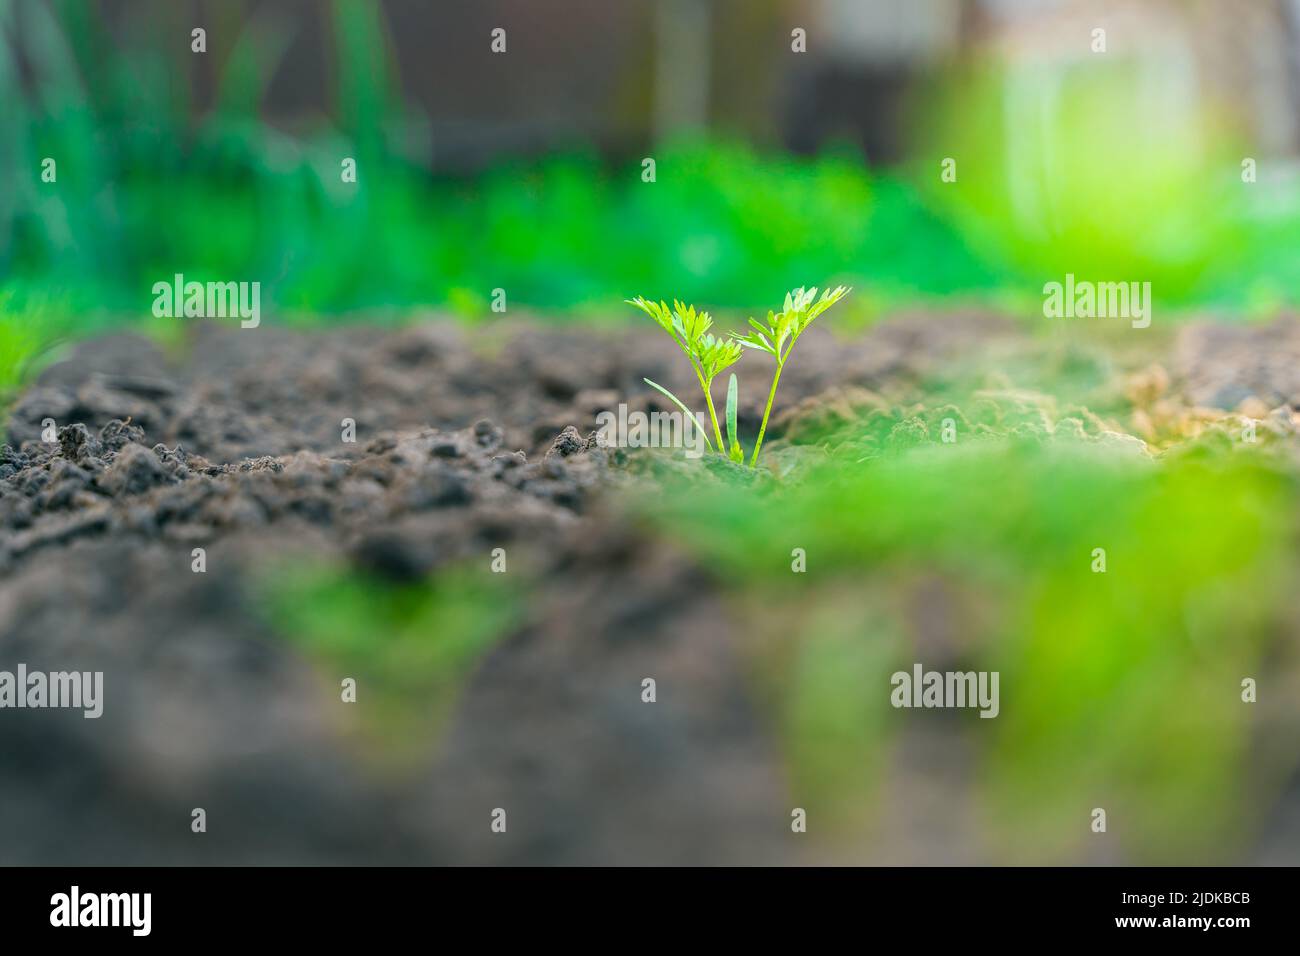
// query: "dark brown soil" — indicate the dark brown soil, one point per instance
point(462, 445)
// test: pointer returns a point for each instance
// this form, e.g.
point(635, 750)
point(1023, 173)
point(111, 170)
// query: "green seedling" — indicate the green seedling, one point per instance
point(708, 354)
point(778, 337)
point(736, 453)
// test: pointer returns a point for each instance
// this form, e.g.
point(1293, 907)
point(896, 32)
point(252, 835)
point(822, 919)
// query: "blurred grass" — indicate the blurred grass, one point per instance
point(1118, 689)
point(33, 323)
point(410, 647)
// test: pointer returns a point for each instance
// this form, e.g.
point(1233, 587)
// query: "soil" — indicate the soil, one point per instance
point(464, 443)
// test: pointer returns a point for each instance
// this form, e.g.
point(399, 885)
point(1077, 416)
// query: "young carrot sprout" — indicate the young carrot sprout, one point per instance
point(778, 337)
point(710, 356)
point(707, 353)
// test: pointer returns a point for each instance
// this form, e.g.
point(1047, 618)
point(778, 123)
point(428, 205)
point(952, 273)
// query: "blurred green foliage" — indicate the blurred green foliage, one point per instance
point(144, 191)
point(1118, 689)
point(150, 185)
point(1111, 170)
point(409, 646)
point(33, 322)
point(147, 188)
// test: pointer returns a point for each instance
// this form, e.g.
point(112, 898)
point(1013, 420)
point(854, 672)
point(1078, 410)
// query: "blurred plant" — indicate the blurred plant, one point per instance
point(31, 327)
point(412, 645)
point(778, 337)
point(1106, 170)
point(1121, 685)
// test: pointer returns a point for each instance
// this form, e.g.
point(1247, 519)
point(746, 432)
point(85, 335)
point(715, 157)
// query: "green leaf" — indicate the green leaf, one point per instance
point(685, 411)
point(657, 311)
point(828, 299)
point(733, 392)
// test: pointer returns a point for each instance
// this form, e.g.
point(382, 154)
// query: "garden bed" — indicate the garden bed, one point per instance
point(500, 586)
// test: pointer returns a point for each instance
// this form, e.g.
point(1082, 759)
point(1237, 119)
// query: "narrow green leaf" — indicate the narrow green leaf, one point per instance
point(733, 393)
point(685, 411)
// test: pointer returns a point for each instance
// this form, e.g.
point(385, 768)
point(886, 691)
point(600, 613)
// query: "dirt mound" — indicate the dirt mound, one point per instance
point(462, 445)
